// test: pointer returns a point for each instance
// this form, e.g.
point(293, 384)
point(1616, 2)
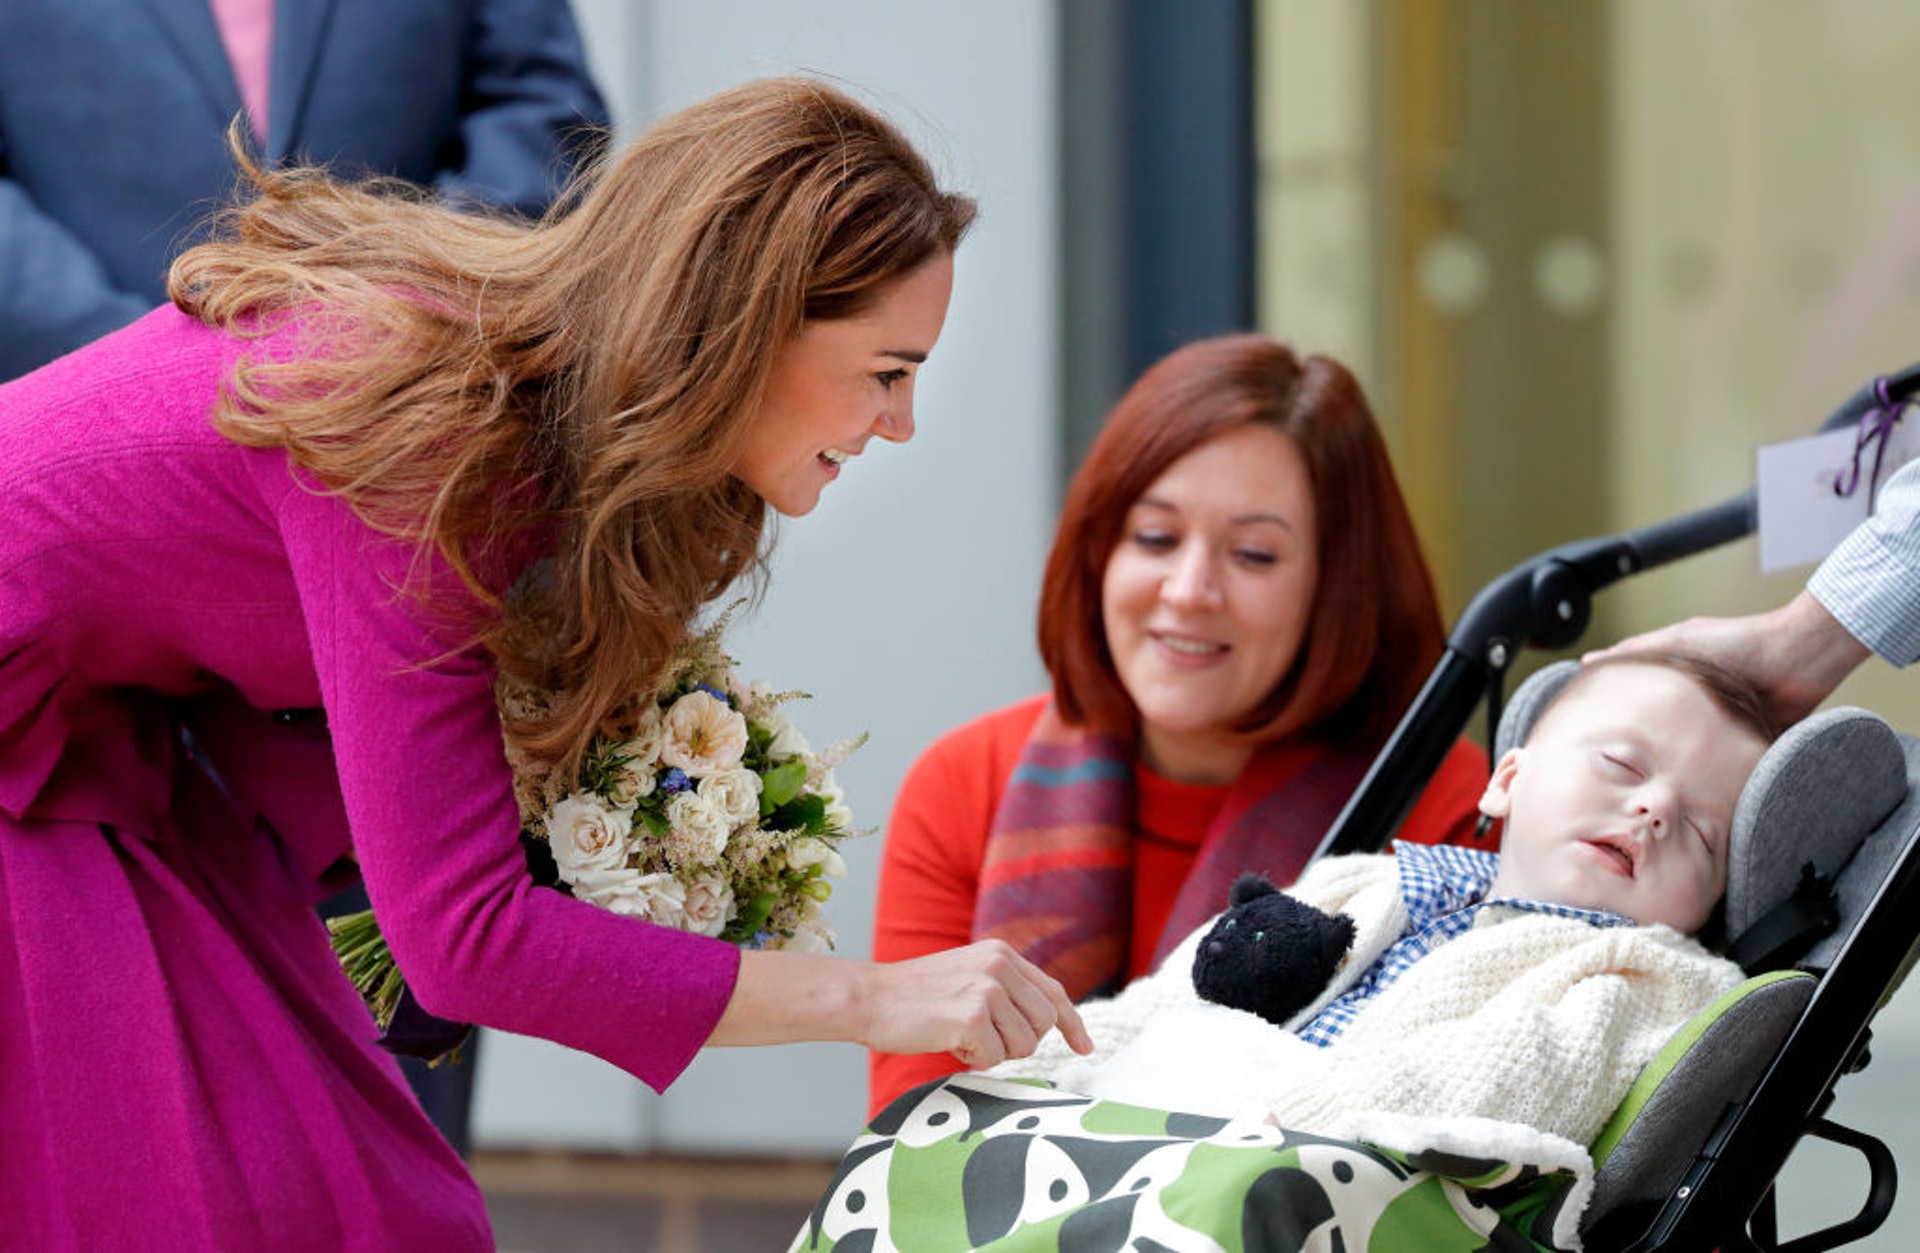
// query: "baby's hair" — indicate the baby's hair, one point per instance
point(1734, 695)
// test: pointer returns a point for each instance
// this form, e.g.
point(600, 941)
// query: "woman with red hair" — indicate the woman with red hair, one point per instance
point(1235, 614)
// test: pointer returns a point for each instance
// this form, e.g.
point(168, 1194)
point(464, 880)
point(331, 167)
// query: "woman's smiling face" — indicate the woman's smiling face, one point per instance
point(1206, 598)
point(838, 384)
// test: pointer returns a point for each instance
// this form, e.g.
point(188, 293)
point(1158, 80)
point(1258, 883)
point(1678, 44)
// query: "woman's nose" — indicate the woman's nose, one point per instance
point(1193, 582)
point(895, 424)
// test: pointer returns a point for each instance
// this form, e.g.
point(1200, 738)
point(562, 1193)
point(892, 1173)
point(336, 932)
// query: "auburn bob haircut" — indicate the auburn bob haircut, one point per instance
point(1375, 629)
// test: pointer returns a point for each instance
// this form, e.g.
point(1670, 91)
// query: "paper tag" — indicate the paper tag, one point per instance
point(1801, 514)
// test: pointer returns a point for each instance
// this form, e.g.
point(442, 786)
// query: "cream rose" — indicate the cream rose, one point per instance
point(610, 889)
point(709, 905)
point(586, 836)
point(787, 740)
point(703, 735)
point(735, 793)
point(657, 898)
point(632, 782)
point(811, 936)
point(838, 815)
point(700, 830)
point(807, 852)
point(648, 737)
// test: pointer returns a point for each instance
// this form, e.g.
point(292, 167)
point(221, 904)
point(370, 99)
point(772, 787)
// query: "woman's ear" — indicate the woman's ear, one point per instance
point(1497, 800)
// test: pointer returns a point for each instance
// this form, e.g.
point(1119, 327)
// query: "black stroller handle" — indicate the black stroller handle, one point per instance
point(1544, 602)
point(1900, 385)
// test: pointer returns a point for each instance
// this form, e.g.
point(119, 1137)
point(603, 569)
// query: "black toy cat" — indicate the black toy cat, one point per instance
point(1269, 953)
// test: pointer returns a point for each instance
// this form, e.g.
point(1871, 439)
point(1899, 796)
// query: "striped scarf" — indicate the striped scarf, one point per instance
point(1057, 881)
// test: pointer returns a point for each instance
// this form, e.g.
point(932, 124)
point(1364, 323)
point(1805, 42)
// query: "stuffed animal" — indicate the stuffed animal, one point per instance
point(1269, 954)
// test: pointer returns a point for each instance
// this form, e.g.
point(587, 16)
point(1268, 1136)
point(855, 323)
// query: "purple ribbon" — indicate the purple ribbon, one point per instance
point(1875, 426)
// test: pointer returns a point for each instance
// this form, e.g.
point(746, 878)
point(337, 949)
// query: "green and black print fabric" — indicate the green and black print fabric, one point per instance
point(972, 1162)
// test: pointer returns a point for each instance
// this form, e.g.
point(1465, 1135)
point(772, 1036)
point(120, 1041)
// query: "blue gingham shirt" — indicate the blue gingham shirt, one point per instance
point(1445, 890)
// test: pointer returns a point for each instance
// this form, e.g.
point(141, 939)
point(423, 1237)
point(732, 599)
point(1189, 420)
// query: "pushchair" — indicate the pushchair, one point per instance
point(1690, 1160)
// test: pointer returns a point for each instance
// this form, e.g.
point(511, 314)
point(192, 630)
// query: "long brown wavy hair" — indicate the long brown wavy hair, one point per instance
point(579, 386)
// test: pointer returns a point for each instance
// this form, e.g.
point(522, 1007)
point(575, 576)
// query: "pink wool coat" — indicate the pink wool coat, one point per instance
point(181, 1063)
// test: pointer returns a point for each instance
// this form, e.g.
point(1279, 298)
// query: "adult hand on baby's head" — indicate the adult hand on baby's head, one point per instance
point(1796, 654)
point(983, 1003)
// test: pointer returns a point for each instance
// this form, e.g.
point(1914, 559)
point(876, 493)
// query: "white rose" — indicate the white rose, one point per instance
point(807, 852)
point(659, 898)
point(787, 740)
point(607, 888)
point(709, 905)
point(700, 830)
point(837, 814)
point(735, 793)
point(812, 936)
point(648, 737)
point(586, 836)
point(633, 781)
point(703, 735)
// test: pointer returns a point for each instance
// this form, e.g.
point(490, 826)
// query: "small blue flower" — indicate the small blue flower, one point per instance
point(714, 692)
point(676, 781)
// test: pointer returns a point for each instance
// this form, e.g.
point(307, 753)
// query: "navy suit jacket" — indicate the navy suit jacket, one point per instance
point(113, 116)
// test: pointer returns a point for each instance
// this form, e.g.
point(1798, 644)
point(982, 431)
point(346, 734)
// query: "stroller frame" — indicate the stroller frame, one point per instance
point(1725, 1200)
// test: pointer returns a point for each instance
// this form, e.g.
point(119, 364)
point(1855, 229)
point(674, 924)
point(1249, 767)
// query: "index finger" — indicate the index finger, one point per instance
point(1067, 1018)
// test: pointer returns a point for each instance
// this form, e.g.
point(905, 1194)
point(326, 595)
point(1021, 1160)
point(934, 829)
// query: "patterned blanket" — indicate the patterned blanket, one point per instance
point(973, 1162)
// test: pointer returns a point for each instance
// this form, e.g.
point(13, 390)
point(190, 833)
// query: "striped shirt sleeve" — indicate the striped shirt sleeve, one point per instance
point(1870, 583)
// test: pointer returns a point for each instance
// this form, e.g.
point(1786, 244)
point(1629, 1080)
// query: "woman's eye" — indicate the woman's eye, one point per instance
point(1155, 541)
point(887, 378)
point(1259, 558)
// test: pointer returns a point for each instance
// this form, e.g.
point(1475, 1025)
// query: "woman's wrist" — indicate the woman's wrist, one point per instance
point(790, 998)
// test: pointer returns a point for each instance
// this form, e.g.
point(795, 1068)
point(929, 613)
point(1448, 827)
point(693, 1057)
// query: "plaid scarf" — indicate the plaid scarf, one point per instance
point(1057, 881)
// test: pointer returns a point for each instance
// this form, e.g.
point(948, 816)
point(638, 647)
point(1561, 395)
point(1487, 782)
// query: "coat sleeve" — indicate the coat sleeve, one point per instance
point(530, 112)
point(429, 802)
point(54, 293)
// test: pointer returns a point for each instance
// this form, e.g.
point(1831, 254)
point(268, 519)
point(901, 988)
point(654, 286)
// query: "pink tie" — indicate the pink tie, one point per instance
point(246, 28)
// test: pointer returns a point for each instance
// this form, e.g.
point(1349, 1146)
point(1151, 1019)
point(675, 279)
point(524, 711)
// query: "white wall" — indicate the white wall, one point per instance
point(905, 601)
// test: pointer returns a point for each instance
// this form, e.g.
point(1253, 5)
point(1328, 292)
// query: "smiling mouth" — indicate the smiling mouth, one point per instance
point(833, 456)
point(1186, 647)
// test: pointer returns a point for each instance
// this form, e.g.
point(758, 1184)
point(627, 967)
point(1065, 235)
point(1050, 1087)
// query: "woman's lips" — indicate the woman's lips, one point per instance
point(1187, 651)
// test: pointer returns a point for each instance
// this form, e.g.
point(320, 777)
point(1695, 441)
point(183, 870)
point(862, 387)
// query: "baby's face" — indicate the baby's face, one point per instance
point(1622, 799)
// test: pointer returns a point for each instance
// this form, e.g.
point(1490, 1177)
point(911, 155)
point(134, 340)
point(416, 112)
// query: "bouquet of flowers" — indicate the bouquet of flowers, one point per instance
point(699, 807)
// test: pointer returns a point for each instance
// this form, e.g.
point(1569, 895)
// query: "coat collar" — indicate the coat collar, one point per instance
point(299, 33)
point(191, 31)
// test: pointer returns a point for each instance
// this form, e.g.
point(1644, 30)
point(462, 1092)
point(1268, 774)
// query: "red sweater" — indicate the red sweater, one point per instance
point(936, 842)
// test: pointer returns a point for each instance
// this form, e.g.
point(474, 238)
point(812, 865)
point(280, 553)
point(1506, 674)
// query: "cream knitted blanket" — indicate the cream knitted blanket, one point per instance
point(1517, 1039)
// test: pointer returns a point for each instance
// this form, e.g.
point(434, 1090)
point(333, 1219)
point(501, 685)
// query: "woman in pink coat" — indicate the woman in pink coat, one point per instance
point(263, 555)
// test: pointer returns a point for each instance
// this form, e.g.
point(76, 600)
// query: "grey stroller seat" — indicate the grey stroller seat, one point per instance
point(1827, 810)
